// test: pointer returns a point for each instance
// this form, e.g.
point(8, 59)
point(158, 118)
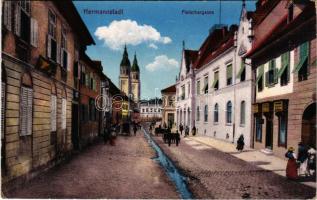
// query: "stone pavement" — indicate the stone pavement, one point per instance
point(215, 174)
point(125, 170)
point(252, 156)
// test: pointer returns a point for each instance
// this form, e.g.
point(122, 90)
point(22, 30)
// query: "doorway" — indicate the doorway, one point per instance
point(308, 135)
point(269, 132)
point(170, 119)
point(75, 133)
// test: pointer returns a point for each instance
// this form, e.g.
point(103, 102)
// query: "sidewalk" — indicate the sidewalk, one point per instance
point(267, 162)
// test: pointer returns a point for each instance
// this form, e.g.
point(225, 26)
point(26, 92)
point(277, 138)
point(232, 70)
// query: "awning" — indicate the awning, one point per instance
point(281, 71)
point(241, 69)
point(300, 64)
point(214, 83)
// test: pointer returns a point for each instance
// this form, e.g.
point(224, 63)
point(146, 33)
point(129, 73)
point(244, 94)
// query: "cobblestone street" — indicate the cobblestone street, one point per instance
point(215, 174)
point(103, 171)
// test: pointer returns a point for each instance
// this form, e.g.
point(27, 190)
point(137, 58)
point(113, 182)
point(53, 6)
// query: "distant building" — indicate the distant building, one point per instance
point(168, 106)
point(151, 109)
point(129, 79)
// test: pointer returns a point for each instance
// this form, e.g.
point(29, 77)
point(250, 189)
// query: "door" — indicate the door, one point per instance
point(75, 128)
point(269, 132)
point(170, 119)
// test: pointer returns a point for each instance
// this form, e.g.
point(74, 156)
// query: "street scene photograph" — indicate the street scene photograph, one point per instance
point(158, 99)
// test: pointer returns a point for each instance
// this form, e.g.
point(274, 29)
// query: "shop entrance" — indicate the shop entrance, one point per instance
point(269, 132)
point(309, 126)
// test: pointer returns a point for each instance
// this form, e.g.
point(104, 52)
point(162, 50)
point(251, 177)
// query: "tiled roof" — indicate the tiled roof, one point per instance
point(171, 88)
point(190, 57)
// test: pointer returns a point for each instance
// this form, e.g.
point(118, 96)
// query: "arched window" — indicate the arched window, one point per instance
point(242, 113)
point(198, 114)
point(216, 113)
point(26, 104)
point(229, 112)
point(206, 113)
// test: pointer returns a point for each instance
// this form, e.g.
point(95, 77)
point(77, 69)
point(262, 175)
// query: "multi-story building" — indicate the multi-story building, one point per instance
point(168, 106)
point(129, 79)
point(151, 109)
point(185, 89)
point(41, 44)
point(284, 69)
point(90, 88)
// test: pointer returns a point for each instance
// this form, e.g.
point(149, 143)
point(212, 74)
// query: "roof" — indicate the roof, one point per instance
point(171, 89)
point(263, 8)
point(216, 43)
point(73, 18)
point(282, 27)
point(125, 58)
point(190, 57)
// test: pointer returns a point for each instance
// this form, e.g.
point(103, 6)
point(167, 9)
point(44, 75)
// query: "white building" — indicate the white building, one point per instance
point(151, 109)
point(184, 89)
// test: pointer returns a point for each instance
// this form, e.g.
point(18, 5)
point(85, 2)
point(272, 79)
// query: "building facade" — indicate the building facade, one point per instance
point(185, 85)
point(41, 44)
point(168, 106)
point(151, 110)
point(129, 79)
point(284, 70)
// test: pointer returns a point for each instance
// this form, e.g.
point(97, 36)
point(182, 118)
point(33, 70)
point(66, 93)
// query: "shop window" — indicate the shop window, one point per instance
point(258, 128)
point(282, 131)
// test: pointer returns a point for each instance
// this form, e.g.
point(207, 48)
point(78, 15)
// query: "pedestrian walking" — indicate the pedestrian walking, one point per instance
point(302, 158)
point(169, 137)
point(240, 143)
point(135, 129)
point(291, 168)
point(177, 137)
point(194, 130)
point(186, 131)
point(312, 161)
point(181, 128)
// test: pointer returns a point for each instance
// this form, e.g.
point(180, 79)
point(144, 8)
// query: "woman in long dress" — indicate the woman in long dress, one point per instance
point(291, 168)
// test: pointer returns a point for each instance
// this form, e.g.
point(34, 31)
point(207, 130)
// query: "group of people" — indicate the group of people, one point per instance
point(181, 129)
point(303, 163)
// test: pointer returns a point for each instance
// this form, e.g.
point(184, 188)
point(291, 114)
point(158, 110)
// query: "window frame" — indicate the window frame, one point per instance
point(229, 113)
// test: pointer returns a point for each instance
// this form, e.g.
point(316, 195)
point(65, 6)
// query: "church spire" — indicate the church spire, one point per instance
point(125, 58)
point(135, 66)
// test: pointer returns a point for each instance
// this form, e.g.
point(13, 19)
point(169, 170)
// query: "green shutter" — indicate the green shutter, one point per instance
point(266, 79)
point(275, 76)
point(260, 73)
point(229, 71)
point(216, 78)
point(241, 69)
point(285, 64)
point(303, 56)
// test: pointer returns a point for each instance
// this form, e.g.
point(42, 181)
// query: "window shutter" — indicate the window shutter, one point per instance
point(29, 111)
point(7, 14)
point(58, 53)
point(3, 85)
point(266, 79)
point(17, 19)
point(68, 61)
point(23, 111)
point(229, 71)
point(61, 54)
point(49, 46)
point(53, 112)
point(275, 75)
point(63, 113)
point(34, 32)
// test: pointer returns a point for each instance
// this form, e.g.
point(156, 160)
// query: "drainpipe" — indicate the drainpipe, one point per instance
point(234, 86)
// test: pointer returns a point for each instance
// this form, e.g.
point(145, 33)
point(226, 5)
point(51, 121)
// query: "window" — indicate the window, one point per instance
point(92, 109)
point(284, 72)
point(242, 113)
point(64, 54)
point(282, 131)
point(198, 114)
point(206, 85)
point(258, 128)
point(52, 48)
point(216, 113)
point(198, 88)
point(64, 102)
point(259, 78)
point(147, 110)
point(303, 64)
point(206, 113)
point(183, 93)
point(215, 84)
point(229, 74)
point(7, 13)
point(26, 111)
point(24, 20)
point(143, 110)
point(229, 113)
point(271, 74)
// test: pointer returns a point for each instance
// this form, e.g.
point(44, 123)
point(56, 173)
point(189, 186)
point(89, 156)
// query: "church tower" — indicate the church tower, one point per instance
point(125, 68)
point(135, 80)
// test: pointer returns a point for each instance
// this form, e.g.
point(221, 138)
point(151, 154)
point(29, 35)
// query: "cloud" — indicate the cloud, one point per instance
point(128, 32)
point(152, 45)
point(162, 62)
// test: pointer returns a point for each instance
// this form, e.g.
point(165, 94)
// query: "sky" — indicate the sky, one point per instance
point(154, 31)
